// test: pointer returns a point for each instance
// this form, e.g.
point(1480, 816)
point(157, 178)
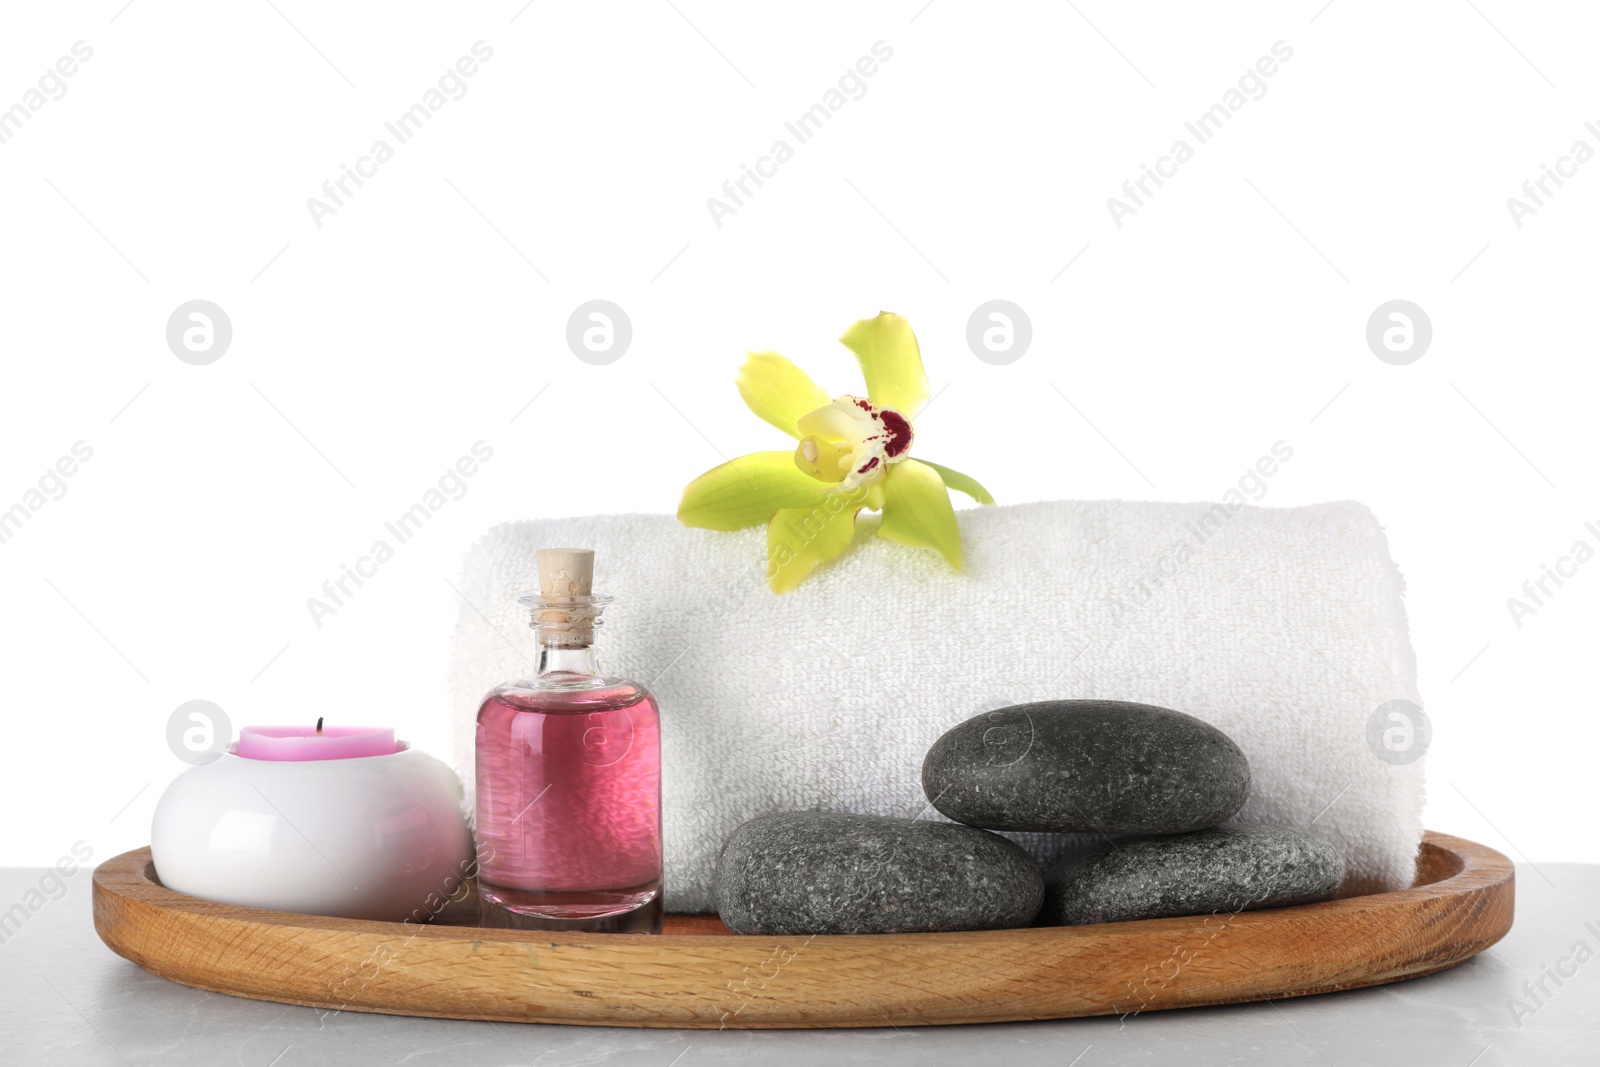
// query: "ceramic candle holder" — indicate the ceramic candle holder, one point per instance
point(370, 837)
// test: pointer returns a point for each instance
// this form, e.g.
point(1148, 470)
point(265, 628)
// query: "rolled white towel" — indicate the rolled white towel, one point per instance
point(1284, 627)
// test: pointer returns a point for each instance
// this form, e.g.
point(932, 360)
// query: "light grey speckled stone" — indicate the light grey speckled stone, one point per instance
point(821, 873)
point(1219, 871)
point(1089, 766)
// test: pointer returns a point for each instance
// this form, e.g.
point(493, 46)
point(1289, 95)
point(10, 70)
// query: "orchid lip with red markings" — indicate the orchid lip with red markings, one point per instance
point(852, 441)
point(898, 428)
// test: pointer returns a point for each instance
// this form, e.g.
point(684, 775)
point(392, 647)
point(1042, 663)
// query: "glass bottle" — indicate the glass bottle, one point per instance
point(569, 778)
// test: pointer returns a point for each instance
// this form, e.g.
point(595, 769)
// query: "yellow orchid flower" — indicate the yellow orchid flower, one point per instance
point(852, 453)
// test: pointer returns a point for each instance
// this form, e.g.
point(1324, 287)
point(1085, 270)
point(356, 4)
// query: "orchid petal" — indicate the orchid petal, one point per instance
point(962, 483)
point(778, 391)
point(890, 362)
point(746, 491)
point(917, 511)
point(800, 539)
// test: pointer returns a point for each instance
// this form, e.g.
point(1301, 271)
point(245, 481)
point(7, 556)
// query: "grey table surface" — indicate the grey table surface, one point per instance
point(65, 999)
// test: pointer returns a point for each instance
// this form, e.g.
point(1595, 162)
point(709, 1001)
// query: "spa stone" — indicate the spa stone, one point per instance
point(1090, 766)
point(820, 873)
point(1220, 871)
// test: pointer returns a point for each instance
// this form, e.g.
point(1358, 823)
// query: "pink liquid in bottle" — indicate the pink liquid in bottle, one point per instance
point(569, 807)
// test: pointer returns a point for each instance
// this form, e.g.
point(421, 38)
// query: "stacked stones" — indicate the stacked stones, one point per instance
point(1102, 767)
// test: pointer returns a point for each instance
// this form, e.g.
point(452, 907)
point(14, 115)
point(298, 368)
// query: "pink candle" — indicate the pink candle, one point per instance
point(317, 742)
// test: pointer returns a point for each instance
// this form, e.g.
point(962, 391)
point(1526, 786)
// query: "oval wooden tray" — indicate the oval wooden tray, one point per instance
point(697, 974)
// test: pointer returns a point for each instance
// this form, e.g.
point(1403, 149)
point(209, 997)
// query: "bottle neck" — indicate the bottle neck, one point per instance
point(564, 628)
point(558, 656)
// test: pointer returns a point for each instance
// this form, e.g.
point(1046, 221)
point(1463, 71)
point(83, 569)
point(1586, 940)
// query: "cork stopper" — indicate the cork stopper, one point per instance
point(564, 610)
point(565, 572)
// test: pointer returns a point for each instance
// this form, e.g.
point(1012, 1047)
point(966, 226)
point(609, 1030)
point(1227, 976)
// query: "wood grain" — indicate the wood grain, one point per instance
point(697, 974)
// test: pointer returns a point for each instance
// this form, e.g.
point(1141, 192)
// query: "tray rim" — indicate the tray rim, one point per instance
point(142, 920)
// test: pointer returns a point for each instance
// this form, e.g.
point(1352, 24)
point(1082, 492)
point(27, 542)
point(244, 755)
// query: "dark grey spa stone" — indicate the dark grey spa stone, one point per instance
point(1090, 766)
point(820, 873)
point(1220, 871)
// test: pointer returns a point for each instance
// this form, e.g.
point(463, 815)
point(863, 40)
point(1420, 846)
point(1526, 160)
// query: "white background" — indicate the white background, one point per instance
point(423, 316)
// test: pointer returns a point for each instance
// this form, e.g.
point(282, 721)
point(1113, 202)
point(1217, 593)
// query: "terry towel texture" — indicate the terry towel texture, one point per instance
point(1284, 627)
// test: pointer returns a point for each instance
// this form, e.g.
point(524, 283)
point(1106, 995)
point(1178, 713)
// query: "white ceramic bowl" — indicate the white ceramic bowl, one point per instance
point(374, 837)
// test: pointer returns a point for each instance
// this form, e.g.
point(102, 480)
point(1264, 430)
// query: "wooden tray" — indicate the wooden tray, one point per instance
point(699, 975)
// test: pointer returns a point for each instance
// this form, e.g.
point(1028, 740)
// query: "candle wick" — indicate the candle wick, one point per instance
point(319, 725)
